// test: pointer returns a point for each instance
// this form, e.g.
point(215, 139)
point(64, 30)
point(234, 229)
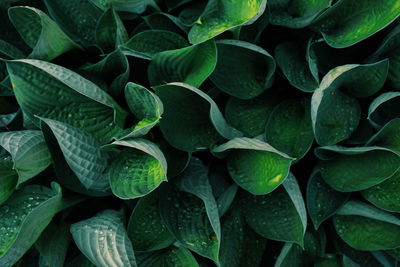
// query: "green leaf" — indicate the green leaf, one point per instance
point(279, 215)
point(134, 6)
point(53, 245)
point(103, 239)
point(191, 65)
point(77, 18)
point(83, 154)
point(222, 15)
point(247, 74)
point(58, 93)
point(290, 57)
point(28, 151)
point(364, 227)
point(349, 22)
point(148, 43)
point(10, 51)
point(289, 128)
point(146, 229)
point(255, 165)
point(297, 13)
point(387, 136)
point(354, 169)
point(41, 33)
point(166, 22)
point(110, 31)
point(322, 201)
point(335, 113)
point(168, 257)
point(8, 178)
point(138, 170)
point(24, 216)
point(192, 120)
point(290, 255)
point(384, 108)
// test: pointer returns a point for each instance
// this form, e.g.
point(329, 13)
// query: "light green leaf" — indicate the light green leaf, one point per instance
point(289, 128)
point(8, 178)
point(77, 18)
point(349, 22)
point(53, 245)
point(28, 151)
point(168, 257)
point(103, 239)
point(255, 165)
point(192, 120)
point(58, 93)
point(222, 15)
point(110, 31)
point(191, 65)
point(245, 75)
point(356, 168)
point(24, 216)
point(134, 6)
point(150, 42)
point(364, 227)
point(335, 113)
point(291, 58)
point(40, 32)
point(138, 170)
point(384, 108)
point(322, 201)
point(146, 229)
point(280, 215)
point(83, 154)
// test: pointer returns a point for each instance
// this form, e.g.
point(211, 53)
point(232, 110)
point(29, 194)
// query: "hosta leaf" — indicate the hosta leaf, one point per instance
point(279, 215)
point(387, 136)
point(166, 22)
point(255, 165)
point(355, 258)
point(24, 216)
point(297, 13)
point(10, 51)
point(292, 60)
point(191, 65)
point(384, 108)
point(28, 151)
point(357, 168)
point(322, 201)
point(192, 120)
point(177, 160)
point(8, 178)
point(110, 31)
point(41, 33)
point(226, 199)
point(347, 22)
point(364, 227)
point(83, 154)
point(134, 6)
point(103, 239)
point(250, 116)
point(138, 170)
point(54, 92)
point(146, 230)
point(76, 17)
point(247, 74)
point(53, 245)
point(168, 257)
point(335, 113)
point(148, 43)
point(289, 128)
point(223, 15)
point(146, 106)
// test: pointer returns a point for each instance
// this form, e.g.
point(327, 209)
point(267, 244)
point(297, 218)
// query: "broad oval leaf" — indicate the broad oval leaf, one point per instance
point(335, 114)
point(384, 108)
point(191, 65)
point(245, 75)
point(137, 170)
point(168, 257)
point(28, 151)
point(280, 215)
point(364, 227)
point(255, 165)
point(349, 22)
point(24, 216)
point(103, 240)
point(192, 120)
point(223, 15)
point(8, 178)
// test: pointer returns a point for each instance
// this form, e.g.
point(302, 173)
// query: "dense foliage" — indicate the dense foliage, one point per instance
point(183, 133)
